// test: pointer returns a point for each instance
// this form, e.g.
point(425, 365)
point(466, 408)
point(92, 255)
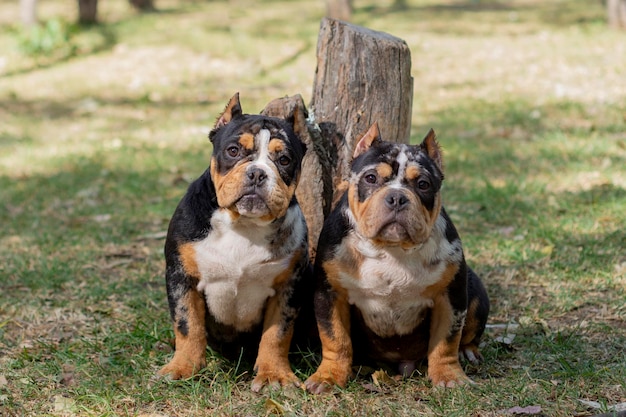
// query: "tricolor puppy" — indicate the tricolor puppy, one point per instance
point(393, 286)
point(236, 251)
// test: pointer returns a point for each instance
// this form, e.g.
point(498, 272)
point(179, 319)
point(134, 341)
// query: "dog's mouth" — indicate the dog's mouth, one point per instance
point(397, 230)
point(252, 205)
point(394, 232)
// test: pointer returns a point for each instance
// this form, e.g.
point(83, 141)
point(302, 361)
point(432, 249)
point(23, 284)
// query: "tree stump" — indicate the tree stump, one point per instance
point(362, 76)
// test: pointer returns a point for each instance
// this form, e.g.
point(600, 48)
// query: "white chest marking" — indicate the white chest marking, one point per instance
point(389, 288)
point(237, 271)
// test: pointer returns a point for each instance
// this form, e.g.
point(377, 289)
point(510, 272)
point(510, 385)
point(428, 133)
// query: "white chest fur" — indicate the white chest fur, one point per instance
point(237, 271)
point(389, 288)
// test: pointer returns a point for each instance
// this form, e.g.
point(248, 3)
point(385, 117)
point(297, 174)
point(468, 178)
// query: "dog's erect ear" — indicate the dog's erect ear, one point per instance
point(370, 137)
point(232, 110)
point(432, 148)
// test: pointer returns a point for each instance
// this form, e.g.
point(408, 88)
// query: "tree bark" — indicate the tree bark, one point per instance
point(87, 11)
point(362, 77)
point(616, 13)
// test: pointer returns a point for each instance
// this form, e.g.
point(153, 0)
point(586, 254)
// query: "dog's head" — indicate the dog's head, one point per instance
point(256, 161)
point(393, 192)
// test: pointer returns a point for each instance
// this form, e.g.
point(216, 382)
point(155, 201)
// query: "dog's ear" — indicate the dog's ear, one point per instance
point(432, 148)
point(232, 110)
point(297, 122)
point(367, 140)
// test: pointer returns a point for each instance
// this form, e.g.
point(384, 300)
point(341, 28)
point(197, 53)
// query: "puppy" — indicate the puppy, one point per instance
point(236, 251)
point(392, 283)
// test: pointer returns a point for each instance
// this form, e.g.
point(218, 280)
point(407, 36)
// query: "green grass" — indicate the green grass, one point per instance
point(100, 137)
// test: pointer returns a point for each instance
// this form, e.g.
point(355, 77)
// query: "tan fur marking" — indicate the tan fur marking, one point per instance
point(187, 255)
point(471, 323)
point(272, 362)
point(228, 187)
point(412, 172)
point(336, 364)
point(247, 141)
point(440, 287)
point(276, 145)
point(190, 356)
point(444, 368)
point(384, 170)
point(287, 273)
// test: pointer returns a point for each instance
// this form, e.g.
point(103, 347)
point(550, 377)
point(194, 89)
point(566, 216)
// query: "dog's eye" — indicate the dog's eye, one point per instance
point(423, 185)
point(370, 179)
point(284, 160)
point(232, 151)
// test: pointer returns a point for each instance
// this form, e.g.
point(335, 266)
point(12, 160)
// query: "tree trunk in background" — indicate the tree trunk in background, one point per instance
point(339, 9)
point(143, 5)
point(362, 77)
point(28, 12)
point(87, 11)
point(616, 13)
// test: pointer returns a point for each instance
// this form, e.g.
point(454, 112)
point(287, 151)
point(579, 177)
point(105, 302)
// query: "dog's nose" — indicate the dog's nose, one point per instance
point(256, 176)
point(396, 200)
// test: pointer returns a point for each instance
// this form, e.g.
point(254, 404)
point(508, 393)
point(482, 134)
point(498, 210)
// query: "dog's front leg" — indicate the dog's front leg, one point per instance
point(444, 368)
point(332, 312)
point(188, 315)
point(272, 362)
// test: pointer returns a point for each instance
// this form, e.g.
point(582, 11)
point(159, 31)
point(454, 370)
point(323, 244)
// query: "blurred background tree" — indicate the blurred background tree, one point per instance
point(87, 10)
point(616, 12)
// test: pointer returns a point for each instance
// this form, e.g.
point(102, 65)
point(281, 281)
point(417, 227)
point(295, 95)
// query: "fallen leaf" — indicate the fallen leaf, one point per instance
point(274, 407)
point(531, 409)
point(63, 404)
point(381, 378)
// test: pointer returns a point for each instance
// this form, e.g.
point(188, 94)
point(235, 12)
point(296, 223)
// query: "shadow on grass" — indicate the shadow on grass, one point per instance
point(561, 14)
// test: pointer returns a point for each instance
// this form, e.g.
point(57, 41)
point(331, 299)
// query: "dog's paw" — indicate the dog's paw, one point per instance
point(181, 368)
point(325, 379)
point(448, 376)
point(471, 353)
point(275, 380)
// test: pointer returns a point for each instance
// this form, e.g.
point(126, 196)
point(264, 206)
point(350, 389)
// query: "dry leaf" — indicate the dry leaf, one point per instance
point(63, 404)
point(274, 407)
point(531, 409)
point(381, 378)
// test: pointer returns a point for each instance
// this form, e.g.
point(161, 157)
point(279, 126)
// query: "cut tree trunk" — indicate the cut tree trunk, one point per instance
point(362, 77)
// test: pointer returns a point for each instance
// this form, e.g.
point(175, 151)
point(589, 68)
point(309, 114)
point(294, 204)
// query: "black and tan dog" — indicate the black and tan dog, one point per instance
point(236, 251)
point(393, 286)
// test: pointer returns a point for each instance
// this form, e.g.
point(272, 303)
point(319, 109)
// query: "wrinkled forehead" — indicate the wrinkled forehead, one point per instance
point(396, 160)
point(255, 133)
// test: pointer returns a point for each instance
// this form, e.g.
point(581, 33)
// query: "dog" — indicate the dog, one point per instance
point(392, 283)
point(236, 251)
